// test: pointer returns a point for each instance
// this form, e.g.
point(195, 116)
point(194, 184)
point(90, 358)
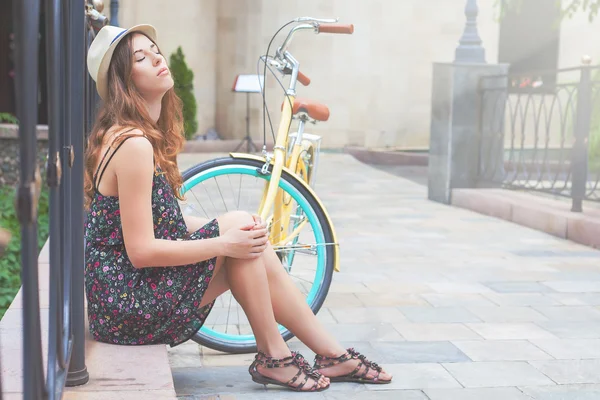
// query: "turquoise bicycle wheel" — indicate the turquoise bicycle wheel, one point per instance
point(216, 187)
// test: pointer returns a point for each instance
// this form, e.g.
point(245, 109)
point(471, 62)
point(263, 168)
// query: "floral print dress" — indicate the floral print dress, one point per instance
point(137, 306)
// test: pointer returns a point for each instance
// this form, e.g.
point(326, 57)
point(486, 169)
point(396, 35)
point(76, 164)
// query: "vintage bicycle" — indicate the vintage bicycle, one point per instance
point(277, 185)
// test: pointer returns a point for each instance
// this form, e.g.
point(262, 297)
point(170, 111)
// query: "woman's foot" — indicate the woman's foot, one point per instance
point(292, 371)
point(351, 367)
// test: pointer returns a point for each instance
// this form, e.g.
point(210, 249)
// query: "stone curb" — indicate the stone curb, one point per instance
point(387, 157)
point(546, 215)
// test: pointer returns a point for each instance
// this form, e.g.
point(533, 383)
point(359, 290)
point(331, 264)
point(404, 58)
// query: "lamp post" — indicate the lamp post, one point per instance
point(114, 12)
point(469, 49)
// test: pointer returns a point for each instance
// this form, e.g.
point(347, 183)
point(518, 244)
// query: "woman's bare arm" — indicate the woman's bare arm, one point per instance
point(134, 183)
point(194, 223)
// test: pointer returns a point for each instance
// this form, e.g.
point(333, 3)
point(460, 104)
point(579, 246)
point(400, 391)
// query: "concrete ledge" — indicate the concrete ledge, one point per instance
point(546, 215)
point(116, 372)
point(11, 131)
point(221, 146)
point(388, 157)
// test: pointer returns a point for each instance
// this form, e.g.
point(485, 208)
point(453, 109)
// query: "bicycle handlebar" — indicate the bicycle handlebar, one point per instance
point(336, 28)
point(303, 79)
point(284, 60)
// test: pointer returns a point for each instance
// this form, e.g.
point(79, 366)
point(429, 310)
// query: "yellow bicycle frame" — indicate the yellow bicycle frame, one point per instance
point(272, 195)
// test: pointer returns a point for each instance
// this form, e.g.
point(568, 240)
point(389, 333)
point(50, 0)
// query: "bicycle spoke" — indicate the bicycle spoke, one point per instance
point(220, 193)
point(228, 313)
point(302, 279)
point(199, 203)
point(210, 198)
point(239, 191)
point(232, 192)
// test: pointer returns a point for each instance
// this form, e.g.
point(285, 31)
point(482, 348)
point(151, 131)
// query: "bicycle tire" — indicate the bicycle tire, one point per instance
point(222, 165)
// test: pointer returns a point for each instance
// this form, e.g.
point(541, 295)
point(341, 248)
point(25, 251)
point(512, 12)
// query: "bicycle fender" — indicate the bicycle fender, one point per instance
point(336, 255)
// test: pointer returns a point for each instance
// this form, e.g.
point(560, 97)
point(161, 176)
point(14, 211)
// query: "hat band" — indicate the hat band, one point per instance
point(118, 36)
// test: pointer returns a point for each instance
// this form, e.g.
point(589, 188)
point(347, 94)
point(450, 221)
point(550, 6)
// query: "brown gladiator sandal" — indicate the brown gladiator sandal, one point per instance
point(351, 354)
point(296, 360)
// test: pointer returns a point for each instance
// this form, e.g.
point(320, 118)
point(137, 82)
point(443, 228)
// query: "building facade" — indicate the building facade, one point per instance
point(376, 82)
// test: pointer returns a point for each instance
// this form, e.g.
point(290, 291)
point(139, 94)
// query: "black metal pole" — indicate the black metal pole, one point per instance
point(66, 149)
point(579, 155)
point(26, 14)
point(55, 170)
point(78, 374)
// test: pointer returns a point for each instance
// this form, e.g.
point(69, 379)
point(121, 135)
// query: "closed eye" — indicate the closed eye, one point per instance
point(153, 48)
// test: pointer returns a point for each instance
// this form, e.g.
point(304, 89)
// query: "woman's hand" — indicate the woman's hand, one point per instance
point(245, 242)
point(258, 222)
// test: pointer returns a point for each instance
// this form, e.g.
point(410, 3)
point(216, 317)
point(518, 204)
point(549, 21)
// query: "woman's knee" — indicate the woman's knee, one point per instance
point(234, 219)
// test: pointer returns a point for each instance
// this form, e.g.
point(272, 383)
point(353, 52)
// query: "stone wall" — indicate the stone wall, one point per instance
point(377, 82)
point(9, 153)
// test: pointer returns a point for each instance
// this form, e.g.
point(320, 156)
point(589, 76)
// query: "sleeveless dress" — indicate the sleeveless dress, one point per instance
point(138, 306)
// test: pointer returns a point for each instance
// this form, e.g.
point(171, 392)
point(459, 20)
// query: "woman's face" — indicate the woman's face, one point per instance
point(150, 73)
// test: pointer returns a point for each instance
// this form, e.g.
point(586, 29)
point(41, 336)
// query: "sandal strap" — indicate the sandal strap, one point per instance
point(269, 362)
point(297, 360)
point(324, 362)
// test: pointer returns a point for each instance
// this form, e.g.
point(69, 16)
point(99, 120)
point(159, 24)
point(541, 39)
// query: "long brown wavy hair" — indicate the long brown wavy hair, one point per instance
point(125, 108)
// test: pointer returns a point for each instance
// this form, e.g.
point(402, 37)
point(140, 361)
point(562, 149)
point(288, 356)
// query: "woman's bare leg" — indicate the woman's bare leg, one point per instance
point(248, 282)
point(290, 309)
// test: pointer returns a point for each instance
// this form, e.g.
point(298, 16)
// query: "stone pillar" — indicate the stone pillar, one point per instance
point(454, 144)
point(455, 131)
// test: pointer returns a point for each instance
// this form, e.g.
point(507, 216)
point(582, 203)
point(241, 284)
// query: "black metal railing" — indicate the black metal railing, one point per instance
point(70, 27)
point(541, 131)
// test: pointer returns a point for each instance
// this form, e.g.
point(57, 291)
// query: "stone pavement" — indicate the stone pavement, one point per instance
point(456, 305)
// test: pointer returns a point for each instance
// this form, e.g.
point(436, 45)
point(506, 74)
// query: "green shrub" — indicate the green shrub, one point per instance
point(8, 117)
point(184, 87)
point(10, 261)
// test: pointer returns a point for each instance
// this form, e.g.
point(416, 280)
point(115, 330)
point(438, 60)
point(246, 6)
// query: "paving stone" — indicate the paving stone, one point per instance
point(522, 299)
point(574, 286)
point(375, 395)
point(501, 393)
point(563, 392)
point(416, 352)
point(389, 299)
point(364, 332)
point(367, 315)
point(456, 299)
point(271, 393)
point(342, 300)
point(501, 350)
point(495, 374)
point(435, 332)
point(184, 355)
point(507, 314)
point(387, 286)
point(504, 331)
point(216, 380)
point(438, 314)
point(576, 299)
point(555, 253)
point(572, 330)
point(518, 287)
point(416, 376)
point(570, 371)
point(455, 287)
point(570, 313)
point(569, 348)
point(341, 287)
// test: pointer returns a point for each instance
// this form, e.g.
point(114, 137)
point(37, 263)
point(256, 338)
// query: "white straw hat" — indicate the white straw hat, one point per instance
point(102, 48)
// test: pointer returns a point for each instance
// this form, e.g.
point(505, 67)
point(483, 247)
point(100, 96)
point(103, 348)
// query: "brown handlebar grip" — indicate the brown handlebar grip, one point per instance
point(336, 28)
point(303, 79)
